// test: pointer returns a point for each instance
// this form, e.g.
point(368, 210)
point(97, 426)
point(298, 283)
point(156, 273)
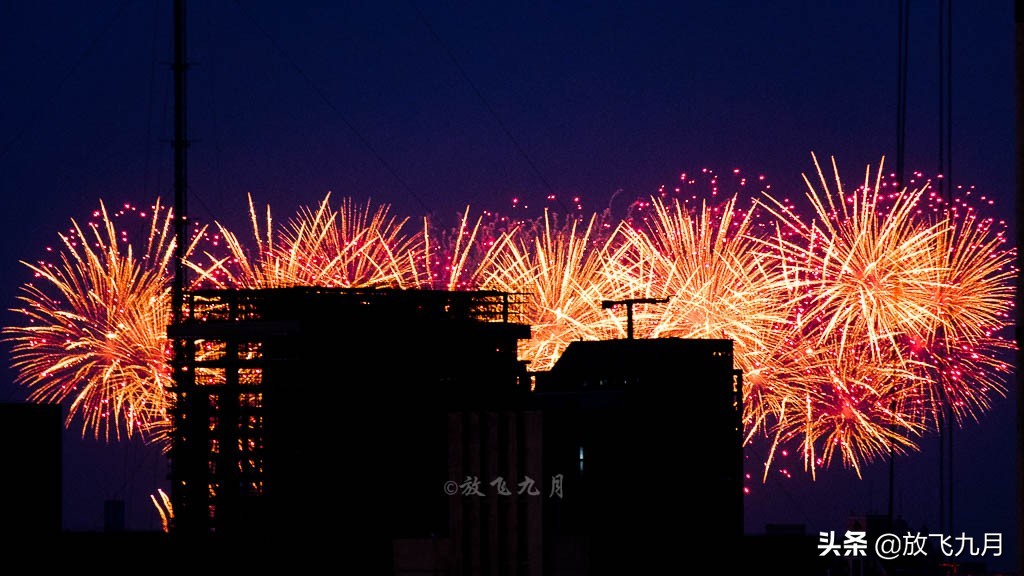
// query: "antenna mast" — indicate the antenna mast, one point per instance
point(606, 304)
point(180, 144)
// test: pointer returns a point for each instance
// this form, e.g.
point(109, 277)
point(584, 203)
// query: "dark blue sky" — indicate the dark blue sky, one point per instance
point(290, 100)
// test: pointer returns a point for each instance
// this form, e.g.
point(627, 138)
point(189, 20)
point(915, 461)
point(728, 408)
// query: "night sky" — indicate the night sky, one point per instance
point(430, 107)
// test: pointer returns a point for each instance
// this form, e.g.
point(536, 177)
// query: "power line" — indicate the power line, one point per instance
point(34, 117)
point(215, 117)
point(150, 99)
point(322, 94)
point(487, 105)
point(903, 45)
point(947, 60)
point(945, 153)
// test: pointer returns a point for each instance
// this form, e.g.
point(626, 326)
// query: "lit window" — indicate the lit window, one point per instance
point(250, 400)
point(207, 309)
point(250, 350)
point(250, 376)
point(208, 350)
point(210, 376)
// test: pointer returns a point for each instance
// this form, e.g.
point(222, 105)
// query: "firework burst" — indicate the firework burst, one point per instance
point(878, 318)
point(95, 328)
point(971, 301)
point(720, 284)
point(863, 270)
point(453, 258)
point(561, 270)
point(899, 309)
point(851, 404)
point(349, 247)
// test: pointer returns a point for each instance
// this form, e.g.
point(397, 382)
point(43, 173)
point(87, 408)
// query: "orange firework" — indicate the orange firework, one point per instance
point(857, 330)
point(561, 270)
point(350, 247)
point(95, 329)
point(863, 270)
point(451, 254)
point(850, 404)
point(721, 284)
point(972, 292)
point(901, 314)
point(971, 301)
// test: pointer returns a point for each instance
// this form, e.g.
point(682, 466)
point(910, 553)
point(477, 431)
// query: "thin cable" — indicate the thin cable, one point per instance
point(901, 83)
point(794, 502)
point(215, 113)
point(949, 192)
point(902, 47)
point(945, 150)
point(150, 100)
point(34, 117)
point(943, 420)
point(327, 101)
point(487, 105)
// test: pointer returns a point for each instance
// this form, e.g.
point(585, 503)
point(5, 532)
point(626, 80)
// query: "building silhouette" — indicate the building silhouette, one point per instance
point(648, 436)
point(301, 406)
point(30, 481)
point(405, 420)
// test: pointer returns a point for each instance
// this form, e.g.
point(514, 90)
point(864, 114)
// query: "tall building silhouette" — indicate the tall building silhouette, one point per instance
point(404, 422)
point(301, 406)
point(647, 434)
point(30, 481)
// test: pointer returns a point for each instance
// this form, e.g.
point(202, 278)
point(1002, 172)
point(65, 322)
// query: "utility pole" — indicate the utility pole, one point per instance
point(1019, 325)
point(180, 144)
point(606, 304)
